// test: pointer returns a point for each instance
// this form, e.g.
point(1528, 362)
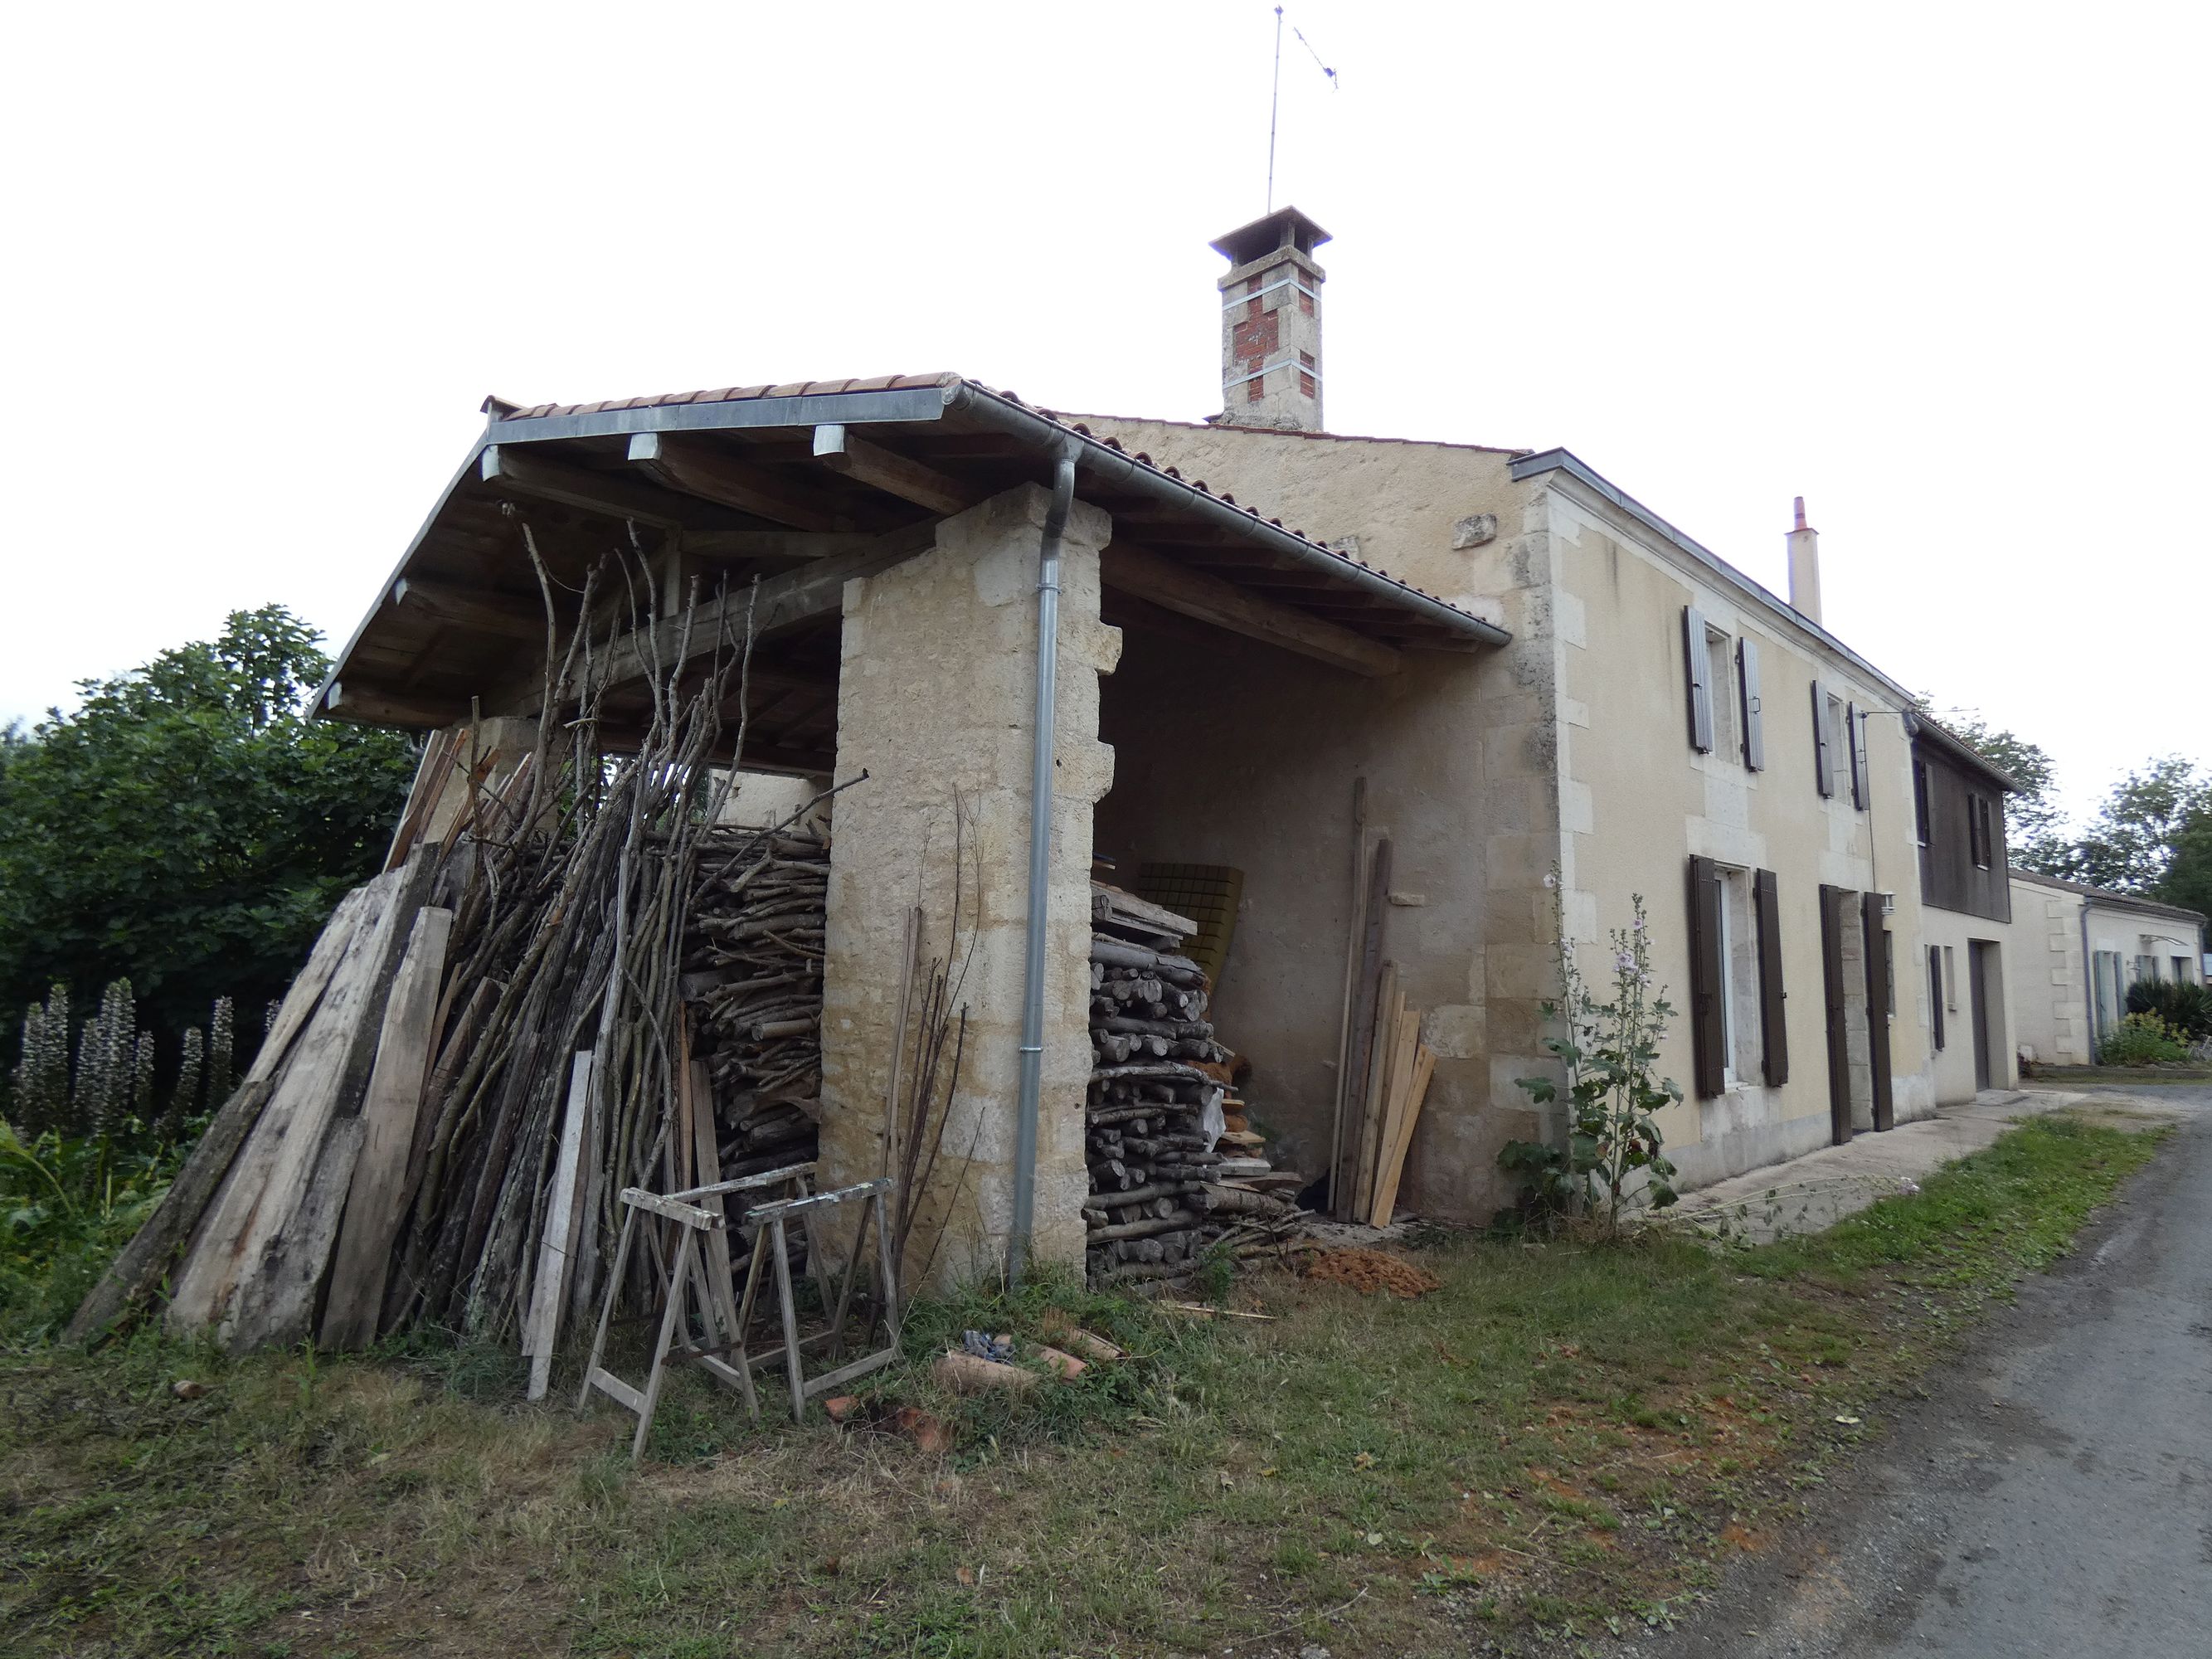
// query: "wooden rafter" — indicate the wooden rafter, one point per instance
point(693, 468)
point(511, 472)
point(893, 474)
point(1150, 576)
point(478, 609)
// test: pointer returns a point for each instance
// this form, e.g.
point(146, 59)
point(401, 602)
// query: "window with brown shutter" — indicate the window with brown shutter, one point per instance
point(1936, 991)
point(1824, 764)
point(1746, 680)
point(1708, 1021)
point(1773, 1027)
point(1854, 724)
point(1698, 663)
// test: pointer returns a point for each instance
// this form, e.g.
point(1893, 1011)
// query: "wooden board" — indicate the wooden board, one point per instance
point(388, 1115)
point(1404, 1046)
point(1393, 1166)
point(147, 1259)
point(218, 1289)
point(1390, 1005)
point(542, 1326)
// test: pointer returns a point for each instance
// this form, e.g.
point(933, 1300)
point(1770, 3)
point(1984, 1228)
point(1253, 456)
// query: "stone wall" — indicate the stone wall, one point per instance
point(935, 703)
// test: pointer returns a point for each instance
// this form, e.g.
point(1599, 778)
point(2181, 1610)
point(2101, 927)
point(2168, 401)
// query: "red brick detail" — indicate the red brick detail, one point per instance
point(1306, 359)
point(1256, 337)
point(1305, 302)
point(1305, 383)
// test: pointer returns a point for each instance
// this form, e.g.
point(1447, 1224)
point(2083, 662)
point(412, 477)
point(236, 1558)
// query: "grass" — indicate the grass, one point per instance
point(1563, 1443)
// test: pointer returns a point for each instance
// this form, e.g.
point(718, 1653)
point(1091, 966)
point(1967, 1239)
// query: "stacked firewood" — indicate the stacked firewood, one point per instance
point(754, 983)
point(1153, 1116)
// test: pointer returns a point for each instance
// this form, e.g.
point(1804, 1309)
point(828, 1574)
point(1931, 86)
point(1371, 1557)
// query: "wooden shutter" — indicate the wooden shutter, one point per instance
point(1935, 990)
point(1877, 987)
point(1854, 730)
point(1746, 680)
point(1699, 662)
point(1773, 1027)
point(1708, 1031)
point(1839, 1042)
point(1824, 764)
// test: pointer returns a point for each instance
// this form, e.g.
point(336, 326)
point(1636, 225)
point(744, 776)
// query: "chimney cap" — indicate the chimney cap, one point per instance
point(1800, 513)
point(1285, 228)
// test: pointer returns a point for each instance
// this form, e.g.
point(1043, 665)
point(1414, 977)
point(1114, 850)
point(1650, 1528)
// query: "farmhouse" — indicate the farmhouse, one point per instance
point(1392, 713)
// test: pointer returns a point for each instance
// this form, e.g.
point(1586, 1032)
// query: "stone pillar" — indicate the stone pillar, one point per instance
point(936, 700)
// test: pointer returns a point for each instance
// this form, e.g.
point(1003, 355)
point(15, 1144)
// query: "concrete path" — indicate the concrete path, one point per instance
point(2053, 1494)
point(1815, 1191)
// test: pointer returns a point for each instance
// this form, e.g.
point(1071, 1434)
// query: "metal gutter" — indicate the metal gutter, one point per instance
point(1040, 765)
point(925, 403)
point(1566, 461)
point(1125, 471)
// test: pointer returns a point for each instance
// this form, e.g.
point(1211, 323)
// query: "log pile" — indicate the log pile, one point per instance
point(492, 1039)
point(1153, 1116)
point(753, 980)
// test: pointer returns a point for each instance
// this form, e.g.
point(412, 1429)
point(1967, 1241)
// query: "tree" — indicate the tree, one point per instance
point(187, 828)
point(2035, 834)
point(2188, 879)
point(2138, 835)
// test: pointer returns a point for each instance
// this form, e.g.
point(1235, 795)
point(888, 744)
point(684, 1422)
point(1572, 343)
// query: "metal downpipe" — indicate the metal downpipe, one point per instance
point(1041, 769)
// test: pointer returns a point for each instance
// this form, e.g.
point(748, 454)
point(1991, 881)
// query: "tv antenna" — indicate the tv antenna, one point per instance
point(1275, 96)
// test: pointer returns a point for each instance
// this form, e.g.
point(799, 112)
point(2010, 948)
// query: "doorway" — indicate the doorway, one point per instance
point(1977, 984)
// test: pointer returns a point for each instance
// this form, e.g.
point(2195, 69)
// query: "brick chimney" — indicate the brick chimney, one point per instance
point(1271, 367)
point(1805, 567)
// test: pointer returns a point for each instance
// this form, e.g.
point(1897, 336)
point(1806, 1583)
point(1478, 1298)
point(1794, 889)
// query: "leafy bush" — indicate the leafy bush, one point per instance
point(66, 1206)
point(2187, 1008)
point(2142, 1040)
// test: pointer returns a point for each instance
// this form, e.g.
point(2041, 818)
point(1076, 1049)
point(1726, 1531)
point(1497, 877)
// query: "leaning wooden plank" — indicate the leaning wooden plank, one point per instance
point(560, 1218)
point(1404, 1049)
point(280, 1300)
point(1390, 1004)
point(388, 1115)
point(269, 1179)
point(150, 1253)
point(719, 1281)
point(1386, 1200)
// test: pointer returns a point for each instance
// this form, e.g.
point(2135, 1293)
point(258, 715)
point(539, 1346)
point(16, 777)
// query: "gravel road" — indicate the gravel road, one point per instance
point(2053, 1495)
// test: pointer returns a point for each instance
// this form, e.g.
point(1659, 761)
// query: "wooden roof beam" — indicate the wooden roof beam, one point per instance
point(1148, 575)
point(893, 474)
point(478, 609)
point(510, 471)
point(779, 604)
point(369, 705)
point(689, 466)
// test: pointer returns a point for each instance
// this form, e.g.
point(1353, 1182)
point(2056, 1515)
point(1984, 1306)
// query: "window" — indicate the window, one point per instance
point(2104, 976)
point(1920, 804)
point(1752, 721)
point(1718, 657)
point(1950, 980)
point(2181, 970)
point(2146, 967)
point(1736, 1017)
point(1839, 746)
point(1936, 991)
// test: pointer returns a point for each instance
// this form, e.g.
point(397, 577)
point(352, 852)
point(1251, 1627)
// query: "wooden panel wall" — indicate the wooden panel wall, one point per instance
point(1950, 879)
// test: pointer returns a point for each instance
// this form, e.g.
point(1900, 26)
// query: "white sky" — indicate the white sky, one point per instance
point(1938, 268)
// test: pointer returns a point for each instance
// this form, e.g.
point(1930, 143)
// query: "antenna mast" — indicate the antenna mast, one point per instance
point(1274, 99)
